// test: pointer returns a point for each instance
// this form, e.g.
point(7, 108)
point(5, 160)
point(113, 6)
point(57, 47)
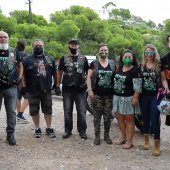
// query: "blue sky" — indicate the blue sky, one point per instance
point(154, 10)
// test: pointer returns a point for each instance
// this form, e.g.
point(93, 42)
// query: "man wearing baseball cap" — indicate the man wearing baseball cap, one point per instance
point(73, 66)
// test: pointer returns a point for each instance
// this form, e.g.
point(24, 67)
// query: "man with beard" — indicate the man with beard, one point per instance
point(73, 66)
point(10, 77)
point(38, 71)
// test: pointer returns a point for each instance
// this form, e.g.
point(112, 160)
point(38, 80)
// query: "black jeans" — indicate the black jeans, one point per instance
point(68, 102)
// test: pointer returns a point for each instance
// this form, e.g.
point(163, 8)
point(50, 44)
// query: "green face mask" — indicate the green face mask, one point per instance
point(127, 61)
point(103, 55)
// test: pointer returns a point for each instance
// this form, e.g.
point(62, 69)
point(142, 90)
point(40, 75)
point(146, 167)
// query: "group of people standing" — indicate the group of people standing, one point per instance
point(125, 90)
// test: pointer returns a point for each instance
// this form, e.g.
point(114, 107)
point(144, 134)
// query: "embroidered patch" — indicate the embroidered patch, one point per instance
point(35, 63)
point(12, 55)
point(68, 58)
point(48, 59)
point(79, 70)
point(165, 66)
point(81, 58)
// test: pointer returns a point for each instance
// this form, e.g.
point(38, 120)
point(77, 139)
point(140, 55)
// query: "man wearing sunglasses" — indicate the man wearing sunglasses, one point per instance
point(10, 77)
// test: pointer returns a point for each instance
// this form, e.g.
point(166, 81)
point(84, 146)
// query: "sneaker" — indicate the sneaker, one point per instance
point(50, 132)
point(83, 135)
point(37, 133)
point(21, 118)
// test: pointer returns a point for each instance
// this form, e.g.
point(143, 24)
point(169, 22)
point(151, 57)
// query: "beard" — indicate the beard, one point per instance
point(4, 46)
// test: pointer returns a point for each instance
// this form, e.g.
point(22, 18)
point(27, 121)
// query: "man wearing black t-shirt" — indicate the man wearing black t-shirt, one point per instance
point(73, 66)
point(38, 70)
point(165, 68)
point(165, 65)
point(10, 77)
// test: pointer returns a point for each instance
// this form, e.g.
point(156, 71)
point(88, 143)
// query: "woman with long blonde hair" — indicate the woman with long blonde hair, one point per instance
point(150, 98)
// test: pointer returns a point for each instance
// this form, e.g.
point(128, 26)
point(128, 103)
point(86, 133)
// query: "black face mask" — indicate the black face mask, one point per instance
point(38, 50)
point(73, 50)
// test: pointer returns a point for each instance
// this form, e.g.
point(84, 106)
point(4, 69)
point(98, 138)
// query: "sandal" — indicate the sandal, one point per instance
point(120, 141)
point(127, 145)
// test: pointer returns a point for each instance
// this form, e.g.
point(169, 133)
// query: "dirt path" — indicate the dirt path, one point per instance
point(74, 153)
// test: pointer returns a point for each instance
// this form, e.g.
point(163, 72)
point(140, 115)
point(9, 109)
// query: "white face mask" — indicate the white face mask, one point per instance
point(4, 46)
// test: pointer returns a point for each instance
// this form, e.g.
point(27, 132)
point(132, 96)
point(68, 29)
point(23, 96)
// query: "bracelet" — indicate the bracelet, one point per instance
point(89, 90)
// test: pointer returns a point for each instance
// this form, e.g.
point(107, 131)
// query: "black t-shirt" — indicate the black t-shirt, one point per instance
point(4, 55)
point(38, 72)
point(165, 66)
point(41, 75)
point(62, 67)
point(104, 80)
point(123, 81)
point(149, 82)
point(23, 54)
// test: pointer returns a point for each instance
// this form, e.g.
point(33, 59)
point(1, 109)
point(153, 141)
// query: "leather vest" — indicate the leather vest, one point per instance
point(30, 70)
point(95, 72)
point(74, 71)
point(8, 68)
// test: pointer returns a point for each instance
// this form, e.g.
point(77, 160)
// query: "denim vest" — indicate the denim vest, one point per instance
point(30, 70)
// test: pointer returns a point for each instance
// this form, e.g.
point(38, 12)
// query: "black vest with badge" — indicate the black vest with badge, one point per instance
point(8, 68)
point(74, 71)
point(95, 72)
point(30, 70)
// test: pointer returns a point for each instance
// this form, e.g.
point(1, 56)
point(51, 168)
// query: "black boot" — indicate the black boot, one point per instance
point(97, 140)
point(107, 138)
point(10, 138)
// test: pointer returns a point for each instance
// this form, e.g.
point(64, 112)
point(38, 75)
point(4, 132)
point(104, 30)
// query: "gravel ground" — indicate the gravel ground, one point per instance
point(75, 154)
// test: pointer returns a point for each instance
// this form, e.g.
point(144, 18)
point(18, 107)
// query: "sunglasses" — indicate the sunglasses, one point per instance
point(4, 37)
point(149, 52)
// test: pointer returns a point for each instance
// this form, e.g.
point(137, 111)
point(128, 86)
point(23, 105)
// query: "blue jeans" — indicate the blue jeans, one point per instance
point(150, 114)
point(10, 101)
point(68, 102)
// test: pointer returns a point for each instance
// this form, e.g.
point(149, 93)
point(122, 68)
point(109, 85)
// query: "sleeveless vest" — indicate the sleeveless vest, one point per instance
point(74, 71)
point(8, 68)
point(30, 69)
point(95, 72)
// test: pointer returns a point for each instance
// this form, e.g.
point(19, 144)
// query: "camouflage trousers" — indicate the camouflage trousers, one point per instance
point(102, 106)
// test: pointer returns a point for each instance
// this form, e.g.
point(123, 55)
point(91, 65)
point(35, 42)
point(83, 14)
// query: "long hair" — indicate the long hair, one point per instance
point(134, 63)
point(156, 59)
point(21, 44)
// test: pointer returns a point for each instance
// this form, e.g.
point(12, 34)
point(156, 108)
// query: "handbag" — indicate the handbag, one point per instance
point(164, 106)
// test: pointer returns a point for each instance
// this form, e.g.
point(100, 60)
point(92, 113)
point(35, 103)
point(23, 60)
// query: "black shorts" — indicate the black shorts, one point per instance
point(42, 97)
point(19, 95)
